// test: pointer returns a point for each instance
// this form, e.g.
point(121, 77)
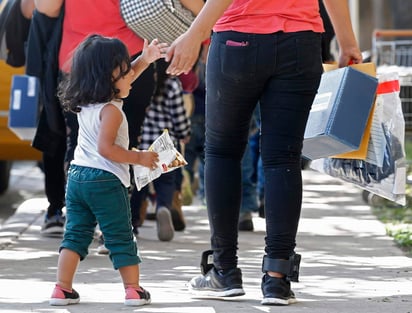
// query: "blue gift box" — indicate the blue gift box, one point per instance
point(24, 106)
point(339, 113)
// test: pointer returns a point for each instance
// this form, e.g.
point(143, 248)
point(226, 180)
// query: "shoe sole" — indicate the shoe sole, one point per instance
point(136, 302)
point(165, 230)
point(178, 222)
point(103, 251)
point(58, 302)
point(54, 233)
point(278, 301)
point(53, 230)
point(246, 225)
point(216, 294)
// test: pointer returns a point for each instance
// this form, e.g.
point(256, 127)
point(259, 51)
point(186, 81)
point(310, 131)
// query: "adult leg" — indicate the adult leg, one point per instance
point(137, 199)
point(232, 94)
point(55, 184)
point(249, 195)
point(55, 180)
point(285, 106)
point(165, 186)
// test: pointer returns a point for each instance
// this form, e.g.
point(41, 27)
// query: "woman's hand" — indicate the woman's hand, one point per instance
point(183, 53)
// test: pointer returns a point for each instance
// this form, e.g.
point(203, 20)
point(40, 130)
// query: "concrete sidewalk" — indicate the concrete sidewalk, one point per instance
point(348, 263)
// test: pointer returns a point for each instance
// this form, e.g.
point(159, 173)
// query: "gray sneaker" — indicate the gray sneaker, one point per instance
point(165, 230)
point(53, 226)
point(224, 283)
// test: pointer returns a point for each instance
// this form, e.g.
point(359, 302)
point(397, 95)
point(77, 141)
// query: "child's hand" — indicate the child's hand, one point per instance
point(148, 159)
point(153, 51)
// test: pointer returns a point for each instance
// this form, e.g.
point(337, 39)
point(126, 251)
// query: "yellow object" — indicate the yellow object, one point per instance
point(11, 147)
point(360, 154)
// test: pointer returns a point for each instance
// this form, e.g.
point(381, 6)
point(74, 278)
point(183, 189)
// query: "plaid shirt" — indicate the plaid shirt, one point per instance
point(166, 111)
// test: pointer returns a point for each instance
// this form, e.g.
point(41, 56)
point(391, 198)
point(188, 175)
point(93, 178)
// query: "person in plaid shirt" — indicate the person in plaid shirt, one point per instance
point(166, 111)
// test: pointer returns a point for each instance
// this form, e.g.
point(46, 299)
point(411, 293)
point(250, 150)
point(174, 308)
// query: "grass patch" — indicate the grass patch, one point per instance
point(398, 220)
point(398, 225)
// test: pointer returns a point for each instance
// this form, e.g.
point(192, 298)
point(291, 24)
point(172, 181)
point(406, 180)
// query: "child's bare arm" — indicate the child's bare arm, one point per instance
point(51, 8)
point(111, 119)
point(27, 7)
point(151, 52)
point(147, 158)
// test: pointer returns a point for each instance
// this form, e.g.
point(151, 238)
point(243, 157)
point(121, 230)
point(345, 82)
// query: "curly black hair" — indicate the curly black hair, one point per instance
point(91, 78)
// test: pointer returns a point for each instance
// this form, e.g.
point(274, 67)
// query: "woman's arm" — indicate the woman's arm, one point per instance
point(51, 8)
point(193, 6)
point(184, 51)
point(338, 11)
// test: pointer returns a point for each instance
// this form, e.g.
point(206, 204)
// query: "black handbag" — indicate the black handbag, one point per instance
point(5, 7)
point(14, 30)
point(162, 19)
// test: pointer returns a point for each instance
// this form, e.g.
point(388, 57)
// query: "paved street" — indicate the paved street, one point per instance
point(348, 263)
point(26, 182)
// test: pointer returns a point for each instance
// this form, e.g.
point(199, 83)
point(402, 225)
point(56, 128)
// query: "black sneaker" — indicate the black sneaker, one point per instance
point(276, 291)
point(53, 226)
point(62, 296)
point(245, 222)
point(225, 283)
point(135, 231)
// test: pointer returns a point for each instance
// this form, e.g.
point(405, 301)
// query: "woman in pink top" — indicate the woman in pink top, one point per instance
point(266, 52)
point(83, 18)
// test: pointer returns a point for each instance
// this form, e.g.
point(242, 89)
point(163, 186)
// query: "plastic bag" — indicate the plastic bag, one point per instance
point(384, 170)
point(169, 160)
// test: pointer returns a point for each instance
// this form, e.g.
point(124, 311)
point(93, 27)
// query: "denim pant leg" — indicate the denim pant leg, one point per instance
point(285, 105)
point(136, 200)
point(194, 149)
point(201, 171)
point(263, 70)
point(55, 179)
point(231, 96)
point(81, 221)
point(102, 194)
point(260, 185)
point(249, 194)
point(165, 186)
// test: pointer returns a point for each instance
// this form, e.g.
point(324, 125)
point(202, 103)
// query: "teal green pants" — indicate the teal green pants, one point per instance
point(96, 196)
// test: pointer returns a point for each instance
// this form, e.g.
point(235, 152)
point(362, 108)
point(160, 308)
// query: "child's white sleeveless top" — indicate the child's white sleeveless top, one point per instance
point(86, 152)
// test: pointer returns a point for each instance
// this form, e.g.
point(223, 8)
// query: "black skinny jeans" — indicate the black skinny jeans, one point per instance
point(282, 72)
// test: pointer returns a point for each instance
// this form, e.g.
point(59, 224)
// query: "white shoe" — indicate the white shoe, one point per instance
point(165, 230)
point(101, 249)
point(53, 226)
